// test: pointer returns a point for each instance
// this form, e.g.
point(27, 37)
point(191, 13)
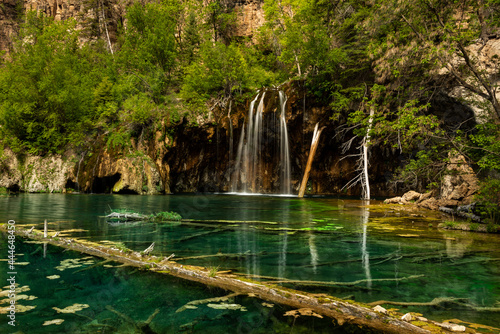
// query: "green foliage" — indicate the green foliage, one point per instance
point(486, 150)
point(150, 37)
point(166, 216)
point(450, 224)
point(488, 198)
point(222, 70)
point(118, 140)
point(47, 88)
point(212, 271)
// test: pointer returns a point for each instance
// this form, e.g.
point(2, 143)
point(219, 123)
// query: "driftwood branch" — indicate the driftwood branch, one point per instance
point(331, 283)
point(206, 301)
point(139, 326)
point(98, 264)
point(441, 301)
point(223, 255)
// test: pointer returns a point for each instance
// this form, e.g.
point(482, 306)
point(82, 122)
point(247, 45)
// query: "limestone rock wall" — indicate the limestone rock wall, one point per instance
point(103, 173)
point(34, 173)
point(250, 16)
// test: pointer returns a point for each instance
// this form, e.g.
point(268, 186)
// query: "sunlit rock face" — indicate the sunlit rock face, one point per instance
point(250, 16)
point(59, 9)
point(34, 173)
point(104, 172)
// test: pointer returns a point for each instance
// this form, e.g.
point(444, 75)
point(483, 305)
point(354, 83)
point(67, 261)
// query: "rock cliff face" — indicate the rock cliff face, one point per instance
point(35, 174)
point(106, 14)
point(250, 17)
point(10, 11)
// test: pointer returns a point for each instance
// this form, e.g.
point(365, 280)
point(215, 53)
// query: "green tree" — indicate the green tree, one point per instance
point(47, 86)
point(437, 41)
point(222, 71)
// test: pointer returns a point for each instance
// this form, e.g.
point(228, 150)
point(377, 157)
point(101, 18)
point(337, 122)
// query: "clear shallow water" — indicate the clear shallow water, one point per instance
point(315, 239)
point(133, 293)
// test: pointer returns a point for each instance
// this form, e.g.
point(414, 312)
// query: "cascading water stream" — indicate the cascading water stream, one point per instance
point(248, 167)
point(230, 132)
point(284, 148)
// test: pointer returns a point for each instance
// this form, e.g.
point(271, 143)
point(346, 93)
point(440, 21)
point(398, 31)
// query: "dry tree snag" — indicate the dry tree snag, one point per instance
point(312, 152)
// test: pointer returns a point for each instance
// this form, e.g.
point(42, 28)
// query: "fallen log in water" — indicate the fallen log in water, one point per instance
point(343, 312)
point(125, 217)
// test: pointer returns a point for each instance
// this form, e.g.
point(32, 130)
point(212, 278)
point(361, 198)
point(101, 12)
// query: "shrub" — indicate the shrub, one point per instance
point(488, 199)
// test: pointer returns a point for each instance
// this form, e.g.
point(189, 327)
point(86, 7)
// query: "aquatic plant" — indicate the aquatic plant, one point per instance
point(127, 215)
point(450, 224)
point(166, 216)
point(212, 271)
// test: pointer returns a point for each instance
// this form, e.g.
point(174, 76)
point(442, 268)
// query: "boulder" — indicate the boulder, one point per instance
point(411, 196)
point(393, 200)
point(425, 196)
point(461, 183)
point(430, 203)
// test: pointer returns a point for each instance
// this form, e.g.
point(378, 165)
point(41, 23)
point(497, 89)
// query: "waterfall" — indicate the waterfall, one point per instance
point(249, 164)
point(284, 148)
point(78, 171)
point(230, 132)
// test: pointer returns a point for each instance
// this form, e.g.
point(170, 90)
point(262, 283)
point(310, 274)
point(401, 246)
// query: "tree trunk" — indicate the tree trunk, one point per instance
point(314, 146)
point(366, 142)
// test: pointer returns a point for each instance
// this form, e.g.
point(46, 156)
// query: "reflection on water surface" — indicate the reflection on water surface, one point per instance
point(366, 254)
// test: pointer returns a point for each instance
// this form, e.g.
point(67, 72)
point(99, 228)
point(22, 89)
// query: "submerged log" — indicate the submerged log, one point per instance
point(441, 301)
point(142, 327)
point(206, 301)
point(344, 312)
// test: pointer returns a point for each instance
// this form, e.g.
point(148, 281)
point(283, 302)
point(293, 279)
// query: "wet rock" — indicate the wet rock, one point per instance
point(464, 211)
point(407, 317)
point(10, 174)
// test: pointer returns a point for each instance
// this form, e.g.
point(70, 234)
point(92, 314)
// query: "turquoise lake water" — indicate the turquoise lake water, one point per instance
point(390, 255)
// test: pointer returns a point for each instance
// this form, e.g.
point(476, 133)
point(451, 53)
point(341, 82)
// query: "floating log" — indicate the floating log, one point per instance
point(223, 255)
point(125, 217)
point(332, 283)
point(201, 234)
point(344, 312)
